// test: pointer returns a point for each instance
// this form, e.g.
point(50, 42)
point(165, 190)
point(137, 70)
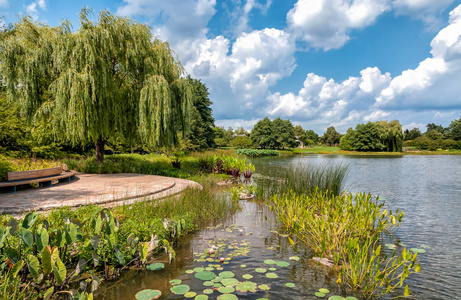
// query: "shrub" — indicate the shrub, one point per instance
point(448, 144)
point(241, 142)
point(5, 166)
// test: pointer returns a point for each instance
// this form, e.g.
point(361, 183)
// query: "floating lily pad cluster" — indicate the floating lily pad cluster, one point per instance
point(323, 292)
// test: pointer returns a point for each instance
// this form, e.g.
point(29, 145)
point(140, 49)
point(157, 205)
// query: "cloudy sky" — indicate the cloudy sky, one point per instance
point(317, 62)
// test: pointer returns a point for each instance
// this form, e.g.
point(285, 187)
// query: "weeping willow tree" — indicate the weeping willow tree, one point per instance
point(108, 79)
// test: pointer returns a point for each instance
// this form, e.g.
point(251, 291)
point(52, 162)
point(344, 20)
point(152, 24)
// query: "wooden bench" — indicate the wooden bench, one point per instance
point(43, 177)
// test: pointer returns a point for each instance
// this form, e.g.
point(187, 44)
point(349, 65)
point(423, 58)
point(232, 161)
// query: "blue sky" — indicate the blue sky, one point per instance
point(317, 62)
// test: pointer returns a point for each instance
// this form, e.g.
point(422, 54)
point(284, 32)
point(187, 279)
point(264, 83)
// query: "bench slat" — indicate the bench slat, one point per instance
point(21, 175)
point(22, 182)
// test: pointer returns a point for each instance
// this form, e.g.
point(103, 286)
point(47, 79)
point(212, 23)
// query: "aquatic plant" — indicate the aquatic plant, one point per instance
point(72, 248)
point(302, 180)
point(348, 230)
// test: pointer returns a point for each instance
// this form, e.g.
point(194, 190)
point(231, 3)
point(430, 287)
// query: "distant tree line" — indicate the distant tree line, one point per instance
point(435, 137)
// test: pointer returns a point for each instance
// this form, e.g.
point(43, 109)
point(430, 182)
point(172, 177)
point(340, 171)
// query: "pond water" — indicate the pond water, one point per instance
point(427, 188)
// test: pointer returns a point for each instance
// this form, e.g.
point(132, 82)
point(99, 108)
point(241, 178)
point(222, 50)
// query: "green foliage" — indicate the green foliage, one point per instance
point(412, 134)
point(107, 80)
point(454, 129)
point(241, 142)
point(5, 166)
point(201, 132)
point(68, 247)
point(257, 152)
point(302, 180)
point(331, 136)
point(347, 230)
point(374, 136)
point(223, 164)
point(273, 134)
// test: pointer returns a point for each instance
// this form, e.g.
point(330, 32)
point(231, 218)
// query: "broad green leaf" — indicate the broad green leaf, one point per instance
point(80, 266)
point(95, 241)
point(16, 268)
point(29, 220)
point(14, 226)
point(95, 259)
point(59, 271)
point(42, 238)
point(3, 235)
point(34, 266)
point(71, 233)
point(119, 255)
point(97, 224)
point(46, 260)
point(48, 293)
point(26, 236)
point(144, 251)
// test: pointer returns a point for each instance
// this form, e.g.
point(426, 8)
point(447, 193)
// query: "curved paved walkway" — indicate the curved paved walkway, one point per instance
point(102, 189)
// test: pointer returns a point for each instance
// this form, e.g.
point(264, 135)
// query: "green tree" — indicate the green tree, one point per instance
point(201, 133)
point(432, 126)
point(454, 129)
point(311, 135)
point(391, 135)
point(434, 135)
point(346, 142)
point(412, 134)
point(283, 134)
point(299, 131)
point(108, 79)
point(331, 136)
point(242, 142)
point(367, 137)
point(261, 134)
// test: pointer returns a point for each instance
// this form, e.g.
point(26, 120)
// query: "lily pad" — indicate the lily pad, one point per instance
point(190, 294)
point(325, 291)
point(226, 274)
point(260, 270)
point(229, 281)
point(262, 299)
point(417, 250)
point(226, 290)
point(208, 291)
point(271, 275)
point(148, 295)
point(264, 287)
point(243, 266)
point(189, 271)
point(175, 281)
point(208, 283)
point(199, 269)
point(295, 258)
point(155, 266)
point(205, 275)
point(320, 295)
point(351, 298)
point(282, 263)
point(269, 262)
point(336, 298)
point(227, 297)
point(247, 276)
point(180, 289)
point(424, 246)
point(290, 285)
point(246, 286)
point(201, 297)
point(272, 269)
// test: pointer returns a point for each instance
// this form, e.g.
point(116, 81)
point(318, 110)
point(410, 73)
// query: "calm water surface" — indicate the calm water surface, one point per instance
point(427, 188)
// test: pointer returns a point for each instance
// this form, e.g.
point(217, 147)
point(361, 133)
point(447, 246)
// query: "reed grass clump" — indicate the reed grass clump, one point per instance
point(302, 180)
point(348, 230)
point(257, 152)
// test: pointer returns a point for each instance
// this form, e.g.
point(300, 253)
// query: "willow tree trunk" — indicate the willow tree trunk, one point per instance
point(100, 150)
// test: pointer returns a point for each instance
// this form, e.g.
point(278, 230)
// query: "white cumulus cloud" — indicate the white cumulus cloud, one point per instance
point(3, 3)
point(427, 10)
point(327, 23)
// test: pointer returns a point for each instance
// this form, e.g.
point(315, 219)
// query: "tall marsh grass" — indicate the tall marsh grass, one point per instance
point(303, 180)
